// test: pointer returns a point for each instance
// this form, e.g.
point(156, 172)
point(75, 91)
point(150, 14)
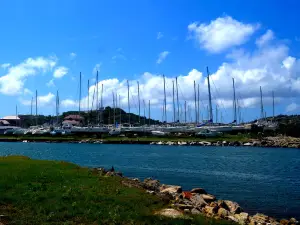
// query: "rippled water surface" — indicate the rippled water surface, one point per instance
point(263, 180)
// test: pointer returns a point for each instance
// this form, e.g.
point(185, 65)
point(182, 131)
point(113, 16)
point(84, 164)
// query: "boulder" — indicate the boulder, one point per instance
point(183, 206)
point(222, 204)
point(186, 211)
point(213, 204)
point(259, 218)
point(165, 197)
point(210, 210)
point(198, 191)
point(195, 211)
point(151, 184)
point(198, 201)
point(293, 221)
point(284, 222)
point(173, 213)
point(171, 189)
point(208, 197)
point(223, 213)
point(242, 218)
point(233, 207)
point(232, 218)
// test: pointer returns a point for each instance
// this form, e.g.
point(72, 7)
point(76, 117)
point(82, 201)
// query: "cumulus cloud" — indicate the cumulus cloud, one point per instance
point(50, 83)
point(72, 55)
point(27, 92)
point(12, 83)
point(159, 35)
point(43, 100)
point(292, 107)
point(162, 56)
point(68, 103)
point(5, 65)
point(59, 72)
point(266, 38)
point(221, 33)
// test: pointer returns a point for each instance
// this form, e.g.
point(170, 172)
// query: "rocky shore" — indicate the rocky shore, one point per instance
point(277, 142)
point(196, 201)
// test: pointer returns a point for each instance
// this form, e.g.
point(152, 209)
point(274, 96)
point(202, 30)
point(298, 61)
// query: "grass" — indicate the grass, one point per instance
point(54, 192)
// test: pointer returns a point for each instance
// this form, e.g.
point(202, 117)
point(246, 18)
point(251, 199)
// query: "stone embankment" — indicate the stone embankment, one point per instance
point(196, 201)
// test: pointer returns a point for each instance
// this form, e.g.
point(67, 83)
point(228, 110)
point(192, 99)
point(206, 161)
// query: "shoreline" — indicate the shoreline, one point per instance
point(195, 201)
point(271, 142)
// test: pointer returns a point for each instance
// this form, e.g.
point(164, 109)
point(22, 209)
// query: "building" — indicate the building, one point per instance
point(74, 120)
point(11, 120)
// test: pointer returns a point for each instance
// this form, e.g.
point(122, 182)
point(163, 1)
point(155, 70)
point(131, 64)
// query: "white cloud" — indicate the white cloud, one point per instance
point(159, 35)
point(59, 72)
point(50, 83)
point(162, 56)
point(13, 82)
point(289, 62)
point(221, 34)
point(68, 103)
point(292, 107)
point(97, 68)
point(27, 92)
point(266, 38)
point(5, 65)
point(43, 100)
point(72, 55)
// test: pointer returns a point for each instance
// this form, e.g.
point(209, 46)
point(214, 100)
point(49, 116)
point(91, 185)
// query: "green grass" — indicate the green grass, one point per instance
point(53, 192)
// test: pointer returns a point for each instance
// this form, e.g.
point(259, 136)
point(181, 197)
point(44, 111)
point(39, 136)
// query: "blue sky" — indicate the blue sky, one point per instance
point(44, 46)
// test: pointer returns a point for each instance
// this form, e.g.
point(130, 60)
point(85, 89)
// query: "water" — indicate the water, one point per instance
point(262, 180)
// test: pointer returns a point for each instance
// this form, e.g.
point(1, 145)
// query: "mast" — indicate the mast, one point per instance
point(116, 105)
point(128, 102)
point(234, 103)
point(184, 111)
point(57, 107)
point(114, 108)
point(36, 112)
point(165, 100)
point(120, 109)
point(88, 104)
point(97, 97)
point(174, 102)
point(31, 110)
point(79, 93)
point(149, 113)
point(273, 105)
point(209, 97)
point(198, 104)
point(216, 114)
point(196, 114)
point(16, 114)
point(101, 104)
point(144, 112)
point(261, 104)
point(177, 100)
point(139, 102)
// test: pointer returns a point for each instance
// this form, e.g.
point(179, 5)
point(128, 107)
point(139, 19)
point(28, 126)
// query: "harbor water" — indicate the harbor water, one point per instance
point(265, 180)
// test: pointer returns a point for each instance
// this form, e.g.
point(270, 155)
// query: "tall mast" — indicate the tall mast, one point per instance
point(114, 108)
point(88, 87)
point(198, 104)
point(174, 102)
point(139, 102)
point(57, 107)
point(79, 93)
point(238, 111)
point(120, 109)
point(184, 111)
point(97, 97)
point(101, 104)
point(261, 104)
point(177, 100)
point(216, 114)
point(165, 100)
point(234, 103)
point(16, 115)
point(31, 107)
point(128, 102)
point(273, 104)
point(209, 97)
point(36, 111)
point(144, 111)
point(149, 113)
point(196, 114)
point(116, 105)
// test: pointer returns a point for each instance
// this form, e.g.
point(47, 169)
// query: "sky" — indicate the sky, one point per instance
point(44, 46)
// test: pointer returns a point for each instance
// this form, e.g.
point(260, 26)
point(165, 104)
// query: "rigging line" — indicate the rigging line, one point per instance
point(221, 100)
point(93, 96)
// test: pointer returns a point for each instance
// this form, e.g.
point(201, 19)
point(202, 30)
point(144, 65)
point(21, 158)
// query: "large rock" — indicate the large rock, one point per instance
point(151, 184)
point(198, 191)
point(222, 204)
point(208, 197)
point(293, 221)
point(171, 189)
point(173, 213)
point(233, 207)
point(183, 206)
point(242, 218)
point(259, 218)
point(195, 211)
point(284, 222)
point(223, 213)
point(198, 201)
point(210, 211)
point(165, 197)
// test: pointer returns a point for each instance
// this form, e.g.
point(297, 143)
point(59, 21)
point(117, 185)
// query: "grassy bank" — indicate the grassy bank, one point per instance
point(227, 137)
point(52, 192)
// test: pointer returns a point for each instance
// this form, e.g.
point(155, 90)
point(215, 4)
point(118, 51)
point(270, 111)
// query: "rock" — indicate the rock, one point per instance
point(183, 206)
point(293, 221)
point(173, 213)
point(224, 143)
point(223, 213)
point(198, 201)
point(213, 204)
point(150, 192)
point(232, 218)
point(208, 197)
point(110, 174)
point(136, 179)
point(198, 191)
point(242, 218)
point(247, 144)
point(187, 194)
point(173, 190)
point(210, 210)
point(259, 218)
point(151, 184)
point(165, 197)
point(233, 207)
point(222, 204)
point(195, 211)
point(284, 222)
point(186, 211)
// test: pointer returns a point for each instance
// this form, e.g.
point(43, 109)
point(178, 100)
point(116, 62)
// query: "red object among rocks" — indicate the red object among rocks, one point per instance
point(187, 194)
